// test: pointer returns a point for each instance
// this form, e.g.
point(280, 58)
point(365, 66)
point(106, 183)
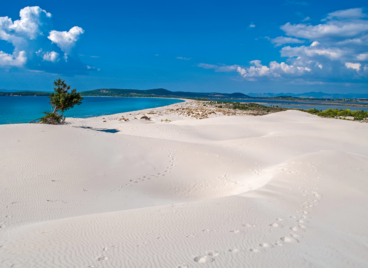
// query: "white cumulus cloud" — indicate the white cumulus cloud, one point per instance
point(37, 46)
point(9, 60)
point(362, 57)
point(275, 69)
point(66, 41)
point(51, 56)
point(355, 66)
point(33, 21)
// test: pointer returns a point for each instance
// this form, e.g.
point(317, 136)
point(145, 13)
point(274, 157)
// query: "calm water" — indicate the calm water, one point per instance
point(25, 109)
point(302, 105)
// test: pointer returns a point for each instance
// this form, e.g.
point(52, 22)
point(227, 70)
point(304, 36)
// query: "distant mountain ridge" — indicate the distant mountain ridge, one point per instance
point(159, 92)
point(24, 93)
point(111, 92)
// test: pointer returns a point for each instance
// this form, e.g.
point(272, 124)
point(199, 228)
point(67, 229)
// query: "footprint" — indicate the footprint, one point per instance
point(236, 231)
point(254, 250)
point(275, 225)
point(204, 259)
point(265, 245)
point(294, 229)
point(278, 243)
point(288, 239)
point(183, 266)
point(212, 253)
point(294, 235)
point(105, 249)
point(248, 225)
point(234, 250)
point(102, 258)
point(279, 219)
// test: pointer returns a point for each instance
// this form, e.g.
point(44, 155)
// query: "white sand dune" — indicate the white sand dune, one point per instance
point(283, 190)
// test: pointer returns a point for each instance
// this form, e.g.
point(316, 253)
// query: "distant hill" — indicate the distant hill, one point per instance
point(160, 92)
point(24, 93)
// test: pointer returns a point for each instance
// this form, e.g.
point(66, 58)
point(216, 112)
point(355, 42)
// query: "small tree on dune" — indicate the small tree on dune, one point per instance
point(61, 100)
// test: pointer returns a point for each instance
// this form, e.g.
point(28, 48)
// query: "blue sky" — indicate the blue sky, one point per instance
point(224, 46)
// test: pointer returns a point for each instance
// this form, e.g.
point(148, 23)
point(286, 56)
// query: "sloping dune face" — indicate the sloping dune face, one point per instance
point(283, 190)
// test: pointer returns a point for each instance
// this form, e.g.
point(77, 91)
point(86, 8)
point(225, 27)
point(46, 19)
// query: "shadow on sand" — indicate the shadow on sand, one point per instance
point(111, 130)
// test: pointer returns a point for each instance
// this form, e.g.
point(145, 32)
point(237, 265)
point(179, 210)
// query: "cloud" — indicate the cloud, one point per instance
point(355, 66)
point(66, 41)
point(183, 58)
point(38, 47)
point(274, 70)
point(335, 50)
point(251, 25)
point(353, 13)
point(51, 56)
point(362, 57)
point(219, 68)
point(332, 30)
point(9, 60)
point(286, 40)
point(34, 21)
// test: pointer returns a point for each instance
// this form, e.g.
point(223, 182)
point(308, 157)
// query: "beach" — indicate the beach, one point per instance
point(190, 187)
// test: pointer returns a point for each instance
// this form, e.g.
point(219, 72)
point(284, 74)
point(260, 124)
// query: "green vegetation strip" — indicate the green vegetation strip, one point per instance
point(337, 113)
point(247, 106)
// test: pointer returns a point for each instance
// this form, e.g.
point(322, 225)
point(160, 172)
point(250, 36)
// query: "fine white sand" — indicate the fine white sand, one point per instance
point(287, 189)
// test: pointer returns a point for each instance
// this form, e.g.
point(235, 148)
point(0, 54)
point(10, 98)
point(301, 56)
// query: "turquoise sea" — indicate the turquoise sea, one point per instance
point(25, 109)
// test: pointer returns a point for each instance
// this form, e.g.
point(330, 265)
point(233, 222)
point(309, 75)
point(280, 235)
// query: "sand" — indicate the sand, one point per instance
point(287, 189)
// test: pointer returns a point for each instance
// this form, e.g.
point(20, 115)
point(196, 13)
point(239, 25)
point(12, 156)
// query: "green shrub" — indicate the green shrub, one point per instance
point(61, 100)
point(52, 119)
